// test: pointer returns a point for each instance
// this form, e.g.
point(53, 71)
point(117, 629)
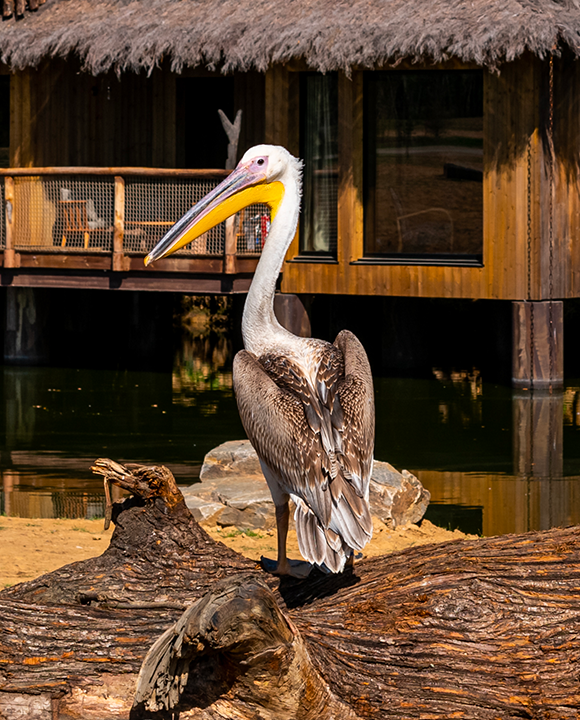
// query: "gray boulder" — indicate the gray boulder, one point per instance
point(233, 492)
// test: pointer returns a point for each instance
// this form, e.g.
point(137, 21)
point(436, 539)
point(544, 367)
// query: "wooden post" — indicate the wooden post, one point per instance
point(538, 344)
point(120, 262)
point(231, 266)
point(11, 259)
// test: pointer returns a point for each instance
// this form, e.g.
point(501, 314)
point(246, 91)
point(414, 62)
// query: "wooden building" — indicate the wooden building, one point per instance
point(441, 140)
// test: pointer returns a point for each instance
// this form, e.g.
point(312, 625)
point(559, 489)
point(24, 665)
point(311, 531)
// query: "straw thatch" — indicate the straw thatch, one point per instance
point(253, 34)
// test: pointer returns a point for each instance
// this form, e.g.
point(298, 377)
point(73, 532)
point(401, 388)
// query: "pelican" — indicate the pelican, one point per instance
point(306, 405)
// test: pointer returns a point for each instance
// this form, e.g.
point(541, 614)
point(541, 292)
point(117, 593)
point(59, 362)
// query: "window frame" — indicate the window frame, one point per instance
point(368, 188)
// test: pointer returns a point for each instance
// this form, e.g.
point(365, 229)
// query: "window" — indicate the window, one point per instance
point(423, 139)
point(319, 98)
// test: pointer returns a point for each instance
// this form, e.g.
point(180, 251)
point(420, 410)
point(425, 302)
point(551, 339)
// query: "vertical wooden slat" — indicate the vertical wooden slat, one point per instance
point(15, 123)
point(27, 121)
point(119, 259)
point(21, 121)
point(163, 119)
point(345, 210)
point(276, 130)
point(249, 97)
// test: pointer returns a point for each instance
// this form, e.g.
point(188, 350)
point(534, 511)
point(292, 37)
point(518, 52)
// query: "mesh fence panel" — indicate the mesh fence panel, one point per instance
point(254, 225)
point(77, 214)
point(153, 205)
point(74, 214)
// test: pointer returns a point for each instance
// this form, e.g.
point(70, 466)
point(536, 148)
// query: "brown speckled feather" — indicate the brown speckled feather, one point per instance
point(317, 438)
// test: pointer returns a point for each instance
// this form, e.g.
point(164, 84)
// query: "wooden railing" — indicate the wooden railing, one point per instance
point(117, 212)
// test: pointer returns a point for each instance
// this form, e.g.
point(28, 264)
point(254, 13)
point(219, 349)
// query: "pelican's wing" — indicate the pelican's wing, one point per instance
point(356, 396)
point(275, 421)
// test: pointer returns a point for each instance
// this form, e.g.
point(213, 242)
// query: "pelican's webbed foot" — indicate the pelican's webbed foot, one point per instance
point(299, 569)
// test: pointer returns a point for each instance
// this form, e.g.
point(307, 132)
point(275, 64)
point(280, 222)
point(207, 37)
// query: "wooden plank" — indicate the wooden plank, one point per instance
point(63, 261)
point(105, 279)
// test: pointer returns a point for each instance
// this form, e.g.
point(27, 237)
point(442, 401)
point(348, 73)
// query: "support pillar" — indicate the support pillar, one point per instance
point(292, 314)
point(25, 337)
point(538, 344)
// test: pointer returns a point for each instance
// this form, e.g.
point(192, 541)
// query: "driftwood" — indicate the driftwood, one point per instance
point(469, 629)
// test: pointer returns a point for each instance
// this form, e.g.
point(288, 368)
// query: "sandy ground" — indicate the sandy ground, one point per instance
point(30, 548)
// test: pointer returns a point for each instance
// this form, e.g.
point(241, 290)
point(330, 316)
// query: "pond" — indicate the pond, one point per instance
point(494, 460)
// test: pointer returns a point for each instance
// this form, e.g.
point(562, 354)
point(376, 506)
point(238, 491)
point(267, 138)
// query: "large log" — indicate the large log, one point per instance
point(473, 629)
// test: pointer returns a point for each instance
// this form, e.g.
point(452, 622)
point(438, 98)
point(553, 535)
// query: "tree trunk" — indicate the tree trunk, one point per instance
point(475, 629)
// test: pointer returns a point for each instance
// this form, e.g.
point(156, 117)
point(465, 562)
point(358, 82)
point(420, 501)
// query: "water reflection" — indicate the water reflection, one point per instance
point(494, 460)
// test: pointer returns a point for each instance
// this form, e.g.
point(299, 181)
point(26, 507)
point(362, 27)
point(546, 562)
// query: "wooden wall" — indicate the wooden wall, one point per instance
point(61, 116)
point(515, 112)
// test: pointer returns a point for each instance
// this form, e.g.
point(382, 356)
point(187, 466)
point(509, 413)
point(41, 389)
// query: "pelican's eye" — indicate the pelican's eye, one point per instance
point(259, 165)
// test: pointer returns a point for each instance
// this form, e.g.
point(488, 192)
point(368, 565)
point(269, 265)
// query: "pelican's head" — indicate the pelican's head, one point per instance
point(260, 177)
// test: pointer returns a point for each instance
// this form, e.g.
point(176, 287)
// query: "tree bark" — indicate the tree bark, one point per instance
point(474, 629)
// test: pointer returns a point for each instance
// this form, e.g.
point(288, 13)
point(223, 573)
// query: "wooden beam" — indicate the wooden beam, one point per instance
point(211, 173)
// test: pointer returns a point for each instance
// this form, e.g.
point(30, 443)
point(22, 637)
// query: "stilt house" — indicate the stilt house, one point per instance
point(441, 146)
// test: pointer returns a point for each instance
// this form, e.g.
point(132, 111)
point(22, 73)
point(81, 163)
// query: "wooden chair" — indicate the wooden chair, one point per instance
point(78, 217)
point(75, 219)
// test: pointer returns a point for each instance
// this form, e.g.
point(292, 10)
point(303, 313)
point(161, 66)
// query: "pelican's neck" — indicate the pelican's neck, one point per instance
point(260, 328)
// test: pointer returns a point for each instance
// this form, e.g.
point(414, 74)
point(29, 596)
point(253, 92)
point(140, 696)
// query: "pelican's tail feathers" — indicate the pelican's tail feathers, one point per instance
point(351, 517)
point(324, 546)
point(311, 537)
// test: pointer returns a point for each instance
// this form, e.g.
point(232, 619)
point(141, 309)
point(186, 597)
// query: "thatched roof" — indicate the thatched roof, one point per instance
point(253, 34)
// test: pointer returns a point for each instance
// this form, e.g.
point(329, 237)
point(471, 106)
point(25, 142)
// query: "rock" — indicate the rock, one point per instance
point(396, 497)
point(201, 508)
point(236, 457)
point(233, 489)
point(258, 517)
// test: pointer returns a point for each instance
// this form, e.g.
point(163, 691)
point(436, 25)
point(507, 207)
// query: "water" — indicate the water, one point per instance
point(493, 459)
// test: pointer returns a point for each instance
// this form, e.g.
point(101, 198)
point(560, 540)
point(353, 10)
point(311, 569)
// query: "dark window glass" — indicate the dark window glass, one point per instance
point(424, 164)
point(319, 100)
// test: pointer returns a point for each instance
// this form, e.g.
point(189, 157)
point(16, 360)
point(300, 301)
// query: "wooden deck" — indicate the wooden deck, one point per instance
point(86, 227)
